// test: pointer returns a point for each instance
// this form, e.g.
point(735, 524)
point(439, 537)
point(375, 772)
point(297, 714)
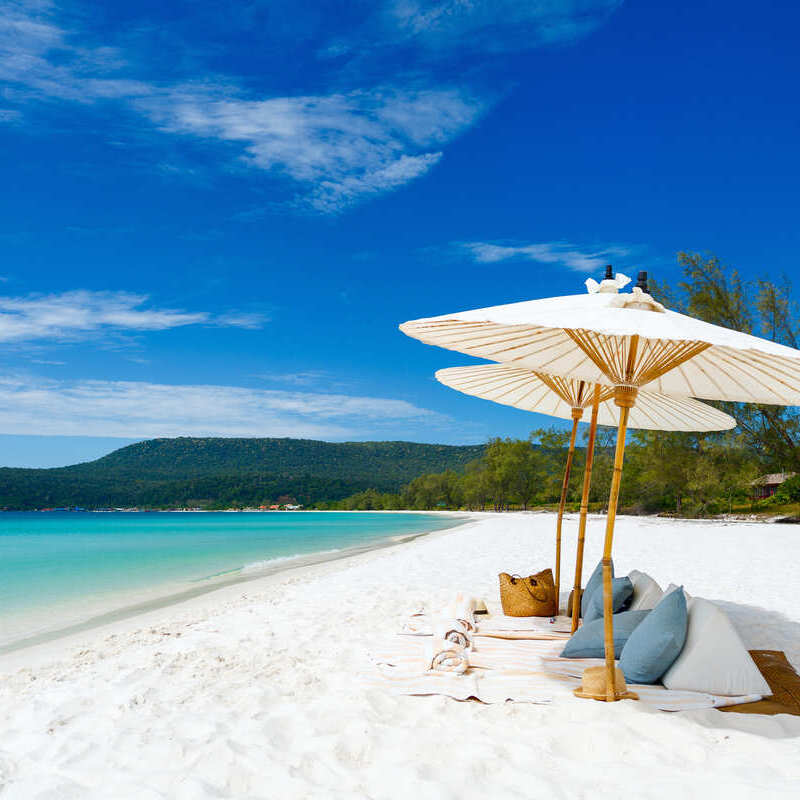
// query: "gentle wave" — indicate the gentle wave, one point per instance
point(257, 566)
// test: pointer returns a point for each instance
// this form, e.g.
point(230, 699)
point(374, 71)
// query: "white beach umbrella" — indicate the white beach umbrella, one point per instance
point(626, 341)
point(622, 339)
point(562, 397)
point(568, 398)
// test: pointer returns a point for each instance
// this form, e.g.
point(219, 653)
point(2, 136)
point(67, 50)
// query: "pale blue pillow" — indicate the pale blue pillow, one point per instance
point(621, 596)
point(588, 641)
point(594, 582)
point(658, 641)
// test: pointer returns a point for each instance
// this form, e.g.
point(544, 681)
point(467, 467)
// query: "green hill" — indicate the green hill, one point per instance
point(227, 472)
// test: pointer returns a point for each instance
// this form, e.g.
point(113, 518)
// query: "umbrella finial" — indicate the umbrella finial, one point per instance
point(610, 284)
point(640, 298)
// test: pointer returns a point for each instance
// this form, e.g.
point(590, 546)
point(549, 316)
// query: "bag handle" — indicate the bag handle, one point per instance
point(534, 582)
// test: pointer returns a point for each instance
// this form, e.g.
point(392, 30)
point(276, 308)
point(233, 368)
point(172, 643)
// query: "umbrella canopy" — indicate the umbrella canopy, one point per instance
point(557, 397)
point(608, 337)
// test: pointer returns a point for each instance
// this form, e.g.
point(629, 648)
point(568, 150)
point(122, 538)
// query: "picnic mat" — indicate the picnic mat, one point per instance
point(782, 679)
point(501, 670)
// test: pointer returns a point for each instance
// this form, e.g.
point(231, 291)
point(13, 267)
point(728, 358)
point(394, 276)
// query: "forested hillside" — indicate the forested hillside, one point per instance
point(214, 473)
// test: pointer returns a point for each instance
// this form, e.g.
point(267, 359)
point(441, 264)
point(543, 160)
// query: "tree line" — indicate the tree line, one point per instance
point(227, 473)
point(682, 473)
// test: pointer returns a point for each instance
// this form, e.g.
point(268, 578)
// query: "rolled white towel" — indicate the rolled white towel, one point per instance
point(444, 656)
point(462, 607)
point(452, 630)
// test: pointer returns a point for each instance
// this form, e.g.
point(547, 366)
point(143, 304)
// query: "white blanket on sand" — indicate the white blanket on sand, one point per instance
point(500, 670)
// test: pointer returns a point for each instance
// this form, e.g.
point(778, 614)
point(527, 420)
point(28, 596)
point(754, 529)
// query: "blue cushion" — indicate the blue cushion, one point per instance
point(594, 582)
point(621, 596)
point(658, 641)
point(587, 641)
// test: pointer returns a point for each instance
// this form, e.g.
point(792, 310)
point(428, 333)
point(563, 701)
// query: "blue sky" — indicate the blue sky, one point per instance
point(214, 215)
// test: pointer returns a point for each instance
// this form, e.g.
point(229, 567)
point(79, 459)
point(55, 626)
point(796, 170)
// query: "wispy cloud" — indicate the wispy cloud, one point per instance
point(335, 148)
point(251, 320)
point(302, 378)
point(340, 147)
point(76, 314)
point(39, 58)
point(560, 253)
point(493, 25)
point(138, 409)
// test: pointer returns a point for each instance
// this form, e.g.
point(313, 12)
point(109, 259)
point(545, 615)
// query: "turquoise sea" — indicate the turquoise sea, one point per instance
point(64, 571)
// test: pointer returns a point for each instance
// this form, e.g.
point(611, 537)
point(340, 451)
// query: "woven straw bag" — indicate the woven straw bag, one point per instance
point(534, 596)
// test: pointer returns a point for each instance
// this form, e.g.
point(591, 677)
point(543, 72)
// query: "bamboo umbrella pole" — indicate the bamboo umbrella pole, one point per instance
point(608, 610)
point(624, 399)
point(587, 483)
point(577, 413)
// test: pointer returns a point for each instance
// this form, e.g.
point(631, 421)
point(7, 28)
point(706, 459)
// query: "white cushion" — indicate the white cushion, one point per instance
point(646, 592)
point(672, 587)
point(714, 658)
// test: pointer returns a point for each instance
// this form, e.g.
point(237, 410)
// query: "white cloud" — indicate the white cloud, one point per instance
point(561, 253)
point(303, 378)
point(144, 410)
point(493, 25)
point(341, 147)
point(337, 148)
point(240, 319)
point(73, 315)
point(38, 57)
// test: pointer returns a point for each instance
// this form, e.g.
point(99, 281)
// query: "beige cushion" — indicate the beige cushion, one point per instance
point(646, 592)
point(714, 658)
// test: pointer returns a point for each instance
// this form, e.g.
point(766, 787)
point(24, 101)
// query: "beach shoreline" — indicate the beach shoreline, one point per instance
point(154, 600)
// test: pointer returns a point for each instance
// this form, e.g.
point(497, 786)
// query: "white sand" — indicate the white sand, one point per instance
point(250, 692)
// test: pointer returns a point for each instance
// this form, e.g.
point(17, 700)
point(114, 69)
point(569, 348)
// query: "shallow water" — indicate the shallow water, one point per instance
point(61, 569)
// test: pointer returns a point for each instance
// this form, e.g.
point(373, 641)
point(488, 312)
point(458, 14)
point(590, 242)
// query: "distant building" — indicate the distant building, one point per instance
point(767, 485)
